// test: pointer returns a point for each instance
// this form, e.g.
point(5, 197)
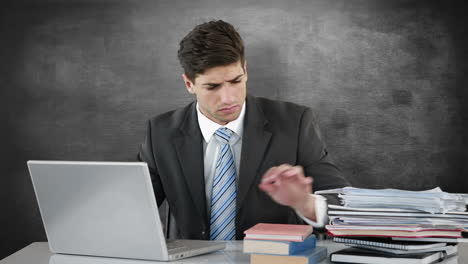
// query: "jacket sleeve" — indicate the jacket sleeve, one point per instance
point(146, 154)
point(314, 157)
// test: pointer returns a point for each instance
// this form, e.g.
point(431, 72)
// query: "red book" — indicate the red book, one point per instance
point(284, 232)
point(390, 231)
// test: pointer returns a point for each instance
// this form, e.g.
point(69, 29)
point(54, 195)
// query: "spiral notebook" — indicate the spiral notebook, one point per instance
point(388, 243)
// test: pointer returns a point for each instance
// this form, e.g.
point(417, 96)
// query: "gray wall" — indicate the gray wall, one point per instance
point(386, 78)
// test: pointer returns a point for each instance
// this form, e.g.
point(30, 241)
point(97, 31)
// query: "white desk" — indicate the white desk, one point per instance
point(38, 253)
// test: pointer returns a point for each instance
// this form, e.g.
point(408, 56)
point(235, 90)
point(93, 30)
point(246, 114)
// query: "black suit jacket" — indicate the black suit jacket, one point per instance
point(274, 133)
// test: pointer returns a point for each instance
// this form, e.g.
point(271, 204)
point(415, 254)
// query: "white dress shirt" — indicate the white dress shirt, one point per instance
point(211, 150)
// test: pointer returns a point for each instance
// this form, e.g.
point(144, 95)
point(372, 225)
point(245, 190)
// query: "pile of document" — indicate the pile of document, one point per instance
point(390, 225)
point(431, 201)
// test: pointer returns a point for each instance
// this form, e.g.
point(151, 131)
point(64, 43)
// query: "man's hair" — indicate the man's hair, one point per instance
point(208, 45)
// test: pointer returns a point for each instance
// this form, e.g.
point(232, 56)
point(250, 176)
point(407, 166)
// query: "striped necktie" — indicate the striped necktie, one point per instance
point(223, 196)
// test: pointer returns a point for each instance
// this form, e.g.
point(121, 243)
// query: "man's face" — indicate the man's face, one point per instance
point(220, 91)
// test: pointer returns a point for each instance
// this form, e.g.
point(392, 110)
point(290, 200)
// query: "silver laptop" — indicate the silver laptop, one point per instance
point(105, 209)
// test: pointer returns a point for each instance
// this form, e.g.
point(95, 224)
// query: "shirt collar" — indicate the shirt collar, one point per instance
point(208, 127)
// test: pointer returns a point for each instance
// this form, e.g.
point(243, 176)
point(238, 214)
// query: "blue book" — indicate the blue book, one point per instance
point(279, 247)
point(311, 256)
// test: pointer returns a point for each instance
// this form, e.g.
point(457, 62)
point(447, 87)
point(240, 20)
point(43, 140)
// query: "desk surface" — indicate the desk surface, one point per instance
point(38, 253)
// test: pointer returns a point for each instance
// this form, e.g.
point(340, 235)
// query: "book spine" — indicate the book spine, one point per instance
point(273, 238)
point(297, 247)
point(313, 256)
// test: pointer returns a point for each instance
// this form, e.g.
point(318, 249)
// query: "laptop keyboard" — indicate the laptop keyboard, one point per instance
point(176, 245)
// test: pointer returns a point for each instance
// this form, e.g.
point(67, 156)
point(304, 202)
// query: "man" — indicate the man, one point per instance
point(229, 160)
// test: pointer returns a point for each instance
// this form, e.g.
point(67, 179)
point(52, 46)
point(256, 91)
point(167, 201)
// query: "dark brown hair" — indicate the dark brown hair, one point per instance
point(208, 45)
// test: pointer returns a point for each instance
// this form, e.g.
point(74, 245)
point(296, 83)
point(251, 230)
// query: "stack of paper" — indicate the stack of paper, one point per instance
point(431, 201)
point(406, 224)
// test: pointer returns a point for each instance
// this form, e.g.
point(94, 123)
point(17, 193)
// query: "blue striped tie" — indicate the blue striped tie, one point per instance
point(223, 196)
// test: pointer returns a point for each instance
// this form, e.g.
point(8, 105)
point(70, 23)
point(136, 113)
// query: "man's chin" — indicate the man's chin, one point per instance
point(228, 118)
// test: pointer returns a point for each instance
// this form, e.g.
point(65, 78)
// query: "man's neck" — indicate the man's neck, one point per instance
point(208, 126)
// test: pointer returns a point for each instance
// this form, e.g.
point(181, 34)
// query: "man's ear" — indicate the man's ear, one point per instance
point(245, 69)
point(188, 84)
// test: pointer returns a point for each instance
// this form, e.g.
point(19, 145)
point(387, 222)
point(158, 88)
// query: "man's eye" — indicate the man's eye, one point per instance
point(236, 81)
point(210, 88)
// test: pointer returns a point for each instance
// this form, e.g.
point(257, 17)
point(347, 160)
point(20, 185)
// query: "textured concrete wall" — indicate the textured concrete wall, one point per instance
point(386, 78)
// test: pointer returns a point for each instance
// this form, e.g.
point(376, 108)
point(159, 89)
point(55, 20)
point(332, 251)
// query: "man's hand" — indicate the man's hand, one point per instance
point(287, 185)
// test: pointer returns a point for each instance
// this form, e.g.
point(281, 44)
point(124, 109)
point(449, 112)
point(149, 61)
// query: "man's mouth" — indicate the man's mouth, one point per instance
point(229, 109)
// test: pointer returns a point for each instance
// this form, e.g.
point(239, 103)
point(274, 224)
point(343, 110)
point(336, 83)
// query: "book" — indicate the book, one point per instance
point(393, 233)
point(311, 256)
point(387, 227)
point(398, 214)
point(402, 252)
point(398, 210)
point(389, 243)
point(437, 223)
point(286, 232)
point(432, 239)
point(279, 247)
point(356, 255)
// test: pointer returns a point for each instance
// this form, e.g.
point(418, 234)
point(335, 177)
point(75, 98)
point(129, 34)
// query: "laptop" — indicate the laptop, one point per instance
point(105, 209)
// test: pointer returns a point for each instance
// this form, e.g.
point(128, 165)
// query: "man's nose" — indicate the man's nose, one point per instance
point(227, 94)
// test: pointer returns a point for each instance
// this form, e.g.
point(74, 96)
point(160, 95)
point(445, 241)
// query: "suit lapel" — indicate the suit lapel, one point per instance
point(255, 141)
point(189, 149)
